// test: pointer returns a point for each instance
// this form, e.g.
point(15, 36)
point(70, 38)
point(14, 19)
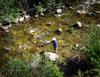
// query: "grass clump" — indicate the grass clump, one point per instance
point(93, 46)
point(15, 68)
point(35, 67)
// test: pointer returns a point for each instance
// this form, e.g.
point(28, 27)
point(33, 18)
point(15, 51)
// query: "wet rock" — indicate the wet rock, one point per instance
point(77, 25)
point(51, 56)
point(49, 23)
point(36, 15)
point(21, 19)
point(32, 30)
point(98, 25)
point(15, 21)
point(6, 49)
point(42, 14)
point(23, 46)
point(58, 31)
point(59, 11)
point(81, 12)
point(58, 15)
point(27, 17)
point(7, 27)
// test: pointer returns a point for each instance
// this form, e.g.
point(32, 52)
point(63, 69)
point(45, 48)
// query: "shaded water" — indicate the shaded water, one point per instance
point(19, 37)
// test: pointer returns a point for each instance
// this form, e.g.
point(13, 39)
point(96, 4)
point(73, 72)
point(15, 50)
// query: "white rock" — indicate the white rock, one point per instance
point(36, 15)
point(77, 45)
point(32, 30)
point(42, 14)
point(16, 20)
point(51, 56)
point(49, 23)
point(81, 11)
point(59, 11)
point(23, 46)
point(60, 29)
point(98, 25)
point(21, 19)
point(71, 7)
point(7, 27)
point(63, 6)
point(10, 25)
point(27, 16)
point(57, 15)
point(80, 24)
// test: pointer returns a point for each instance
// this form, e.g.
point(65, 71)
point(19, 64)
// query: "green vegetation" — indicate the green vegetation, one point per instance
point(21, 45)
point(32, 68)
point(8, 10)
point(12, 9)
point(93, 45)
point(15, 67)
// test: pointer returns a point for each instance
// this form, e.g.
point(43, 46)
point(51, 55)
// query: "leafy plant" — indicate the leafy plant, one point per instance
point(39, 8)
point(52, 70)
point(16, 68)
point(93, 45)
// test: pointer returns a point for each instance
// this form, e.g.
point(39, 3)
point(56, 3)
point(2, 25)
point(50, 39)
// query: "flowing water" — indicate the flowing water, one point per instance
point(27, 35)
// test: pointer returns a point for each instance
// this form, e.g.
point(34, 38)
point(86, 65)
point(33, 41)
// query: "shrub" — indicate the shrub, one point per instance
point(39, 8)
point(51, 70)
point(42, 67)
point(16, 68)
point(93, 45)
